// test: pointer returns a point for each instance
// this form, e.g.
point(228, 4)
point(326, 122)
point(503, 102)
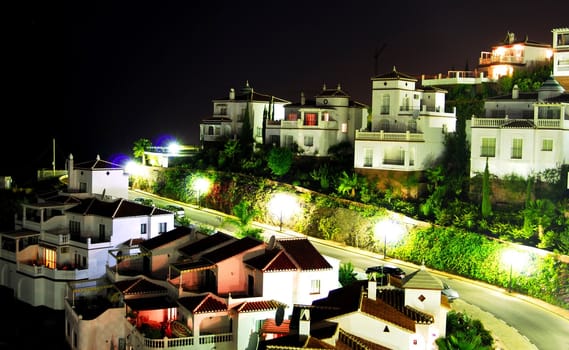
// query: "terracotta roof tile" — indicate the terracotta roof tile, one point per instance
point(272, 260)
point(207, 303)
point(139, 286)
point(259, 305)
point(348, 341)
point(270, 326)
point(389, 306)
point(303, 253)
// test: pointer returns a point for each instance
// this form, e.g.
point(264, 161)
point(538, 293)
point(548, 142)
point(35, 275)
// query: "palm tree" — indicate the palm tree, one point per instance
point(244, 215)
point(349, 184)
point(139, 147)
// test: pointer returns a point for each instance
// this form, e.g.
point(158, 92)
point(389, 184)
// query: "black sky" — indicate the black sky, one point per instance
point(141, 69)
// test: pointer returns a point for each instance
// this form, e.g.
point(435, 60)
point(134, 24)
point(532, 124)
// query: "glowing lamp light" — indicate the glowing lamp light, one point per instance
point(174, 148)
point(516, 260)
point(201, 186)
point(390, 231)
point(283, 206)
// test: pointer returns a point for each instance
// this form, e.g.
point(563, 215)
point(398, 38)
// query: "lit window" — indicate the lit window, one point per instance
point(547, 145)
point(310, 119)
point(308, 141)
point(517, 145)
point(49, 258)
point(344, 127)
point(325, 116)
point(315, 287)
point(488, 147)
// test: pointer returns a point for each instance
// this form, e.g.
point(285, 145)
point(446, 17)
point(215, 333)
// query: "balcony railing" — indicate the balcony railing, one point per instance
point(56, 274)
point(499, 122)
point(389, 136)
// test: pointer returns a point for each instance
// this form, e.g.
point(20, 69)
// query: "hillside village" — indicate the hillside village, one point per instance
point(128, 278)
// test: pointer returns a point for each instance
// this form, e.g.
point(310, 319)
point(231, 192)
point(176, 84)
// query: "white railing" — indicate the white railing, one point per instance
point(183, 343)
point(498, 122)
point(40, 270)
point(389, 136)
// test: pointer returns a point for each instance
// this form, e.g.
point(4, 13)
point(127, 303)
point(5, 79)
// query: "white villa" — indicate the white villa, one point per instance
point(522, 133)
point(66, 237)
point(561, 56)
point(408, 126)
point(229, 112)
point(315, 125)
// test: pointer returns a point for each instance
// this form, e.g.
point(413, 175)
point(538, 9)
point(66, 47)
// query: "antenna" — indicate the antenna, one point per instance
point(376, 55)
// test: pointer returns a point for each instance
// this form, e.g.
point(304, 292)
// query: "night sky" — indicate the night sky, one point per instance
point(141, 69)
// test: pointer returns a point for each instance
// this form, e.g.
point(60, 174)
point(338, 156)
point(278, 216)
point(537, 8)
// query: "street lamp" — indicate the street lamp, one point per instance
point(201, 186)
point(282, 206)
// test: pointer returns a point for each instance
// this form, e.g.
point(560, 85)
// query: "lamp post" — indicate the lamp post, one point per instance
point(385, 245)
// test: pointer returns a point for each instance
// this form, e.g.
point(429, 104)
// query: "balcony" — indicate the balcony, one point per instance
point(486, 60)
point(455, 77)
point(61, 272)
point(389, 136)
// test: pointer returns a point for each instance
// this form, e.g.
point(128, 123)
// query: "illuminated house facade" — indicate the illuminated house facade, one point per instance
point(229, 112)
point(66, 237)
point(513, 54)
point(316, 125)
point(408, 126)
point(218, 291)
point(561, 56)
point(522, 133)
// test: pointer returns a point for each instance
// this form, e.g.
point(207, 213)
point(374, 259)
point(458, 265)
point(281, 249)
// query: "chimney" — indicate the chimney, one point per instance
point(304, 322)
point(232, 94)
point(372, 288)
point(515, 92)
point(302, 99)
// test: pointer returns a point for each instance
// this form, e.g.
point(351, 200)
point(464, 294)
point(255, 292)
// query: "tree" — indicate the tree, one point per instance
point(280, 160)
point(486, 207)
point(139, 147)
point(464, 333)
point(246, 136)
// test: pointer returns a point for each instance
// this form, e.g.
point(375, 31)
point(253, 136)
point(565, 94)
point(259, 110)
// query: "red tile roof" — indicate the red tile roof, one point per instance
point(303, 254)
point(139, 286)
point(270, 326)
point(272, 260)
point(260, 305)
point(207, 303)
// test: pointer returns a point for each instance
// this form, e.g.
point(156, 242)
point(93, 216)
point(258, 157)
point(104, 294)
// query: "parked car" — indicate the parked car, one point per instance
point(176, 209)
point(144, 201)
point(450, 293)
point(387, 270)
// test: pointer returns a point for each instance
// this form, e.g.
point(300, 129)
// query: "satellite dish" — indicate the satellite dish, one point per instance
point(271, 243)
point(279, 316)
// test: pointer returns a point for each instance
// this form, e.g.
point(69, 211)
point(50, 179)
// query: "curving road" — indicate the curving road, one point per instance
point(546, 329)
